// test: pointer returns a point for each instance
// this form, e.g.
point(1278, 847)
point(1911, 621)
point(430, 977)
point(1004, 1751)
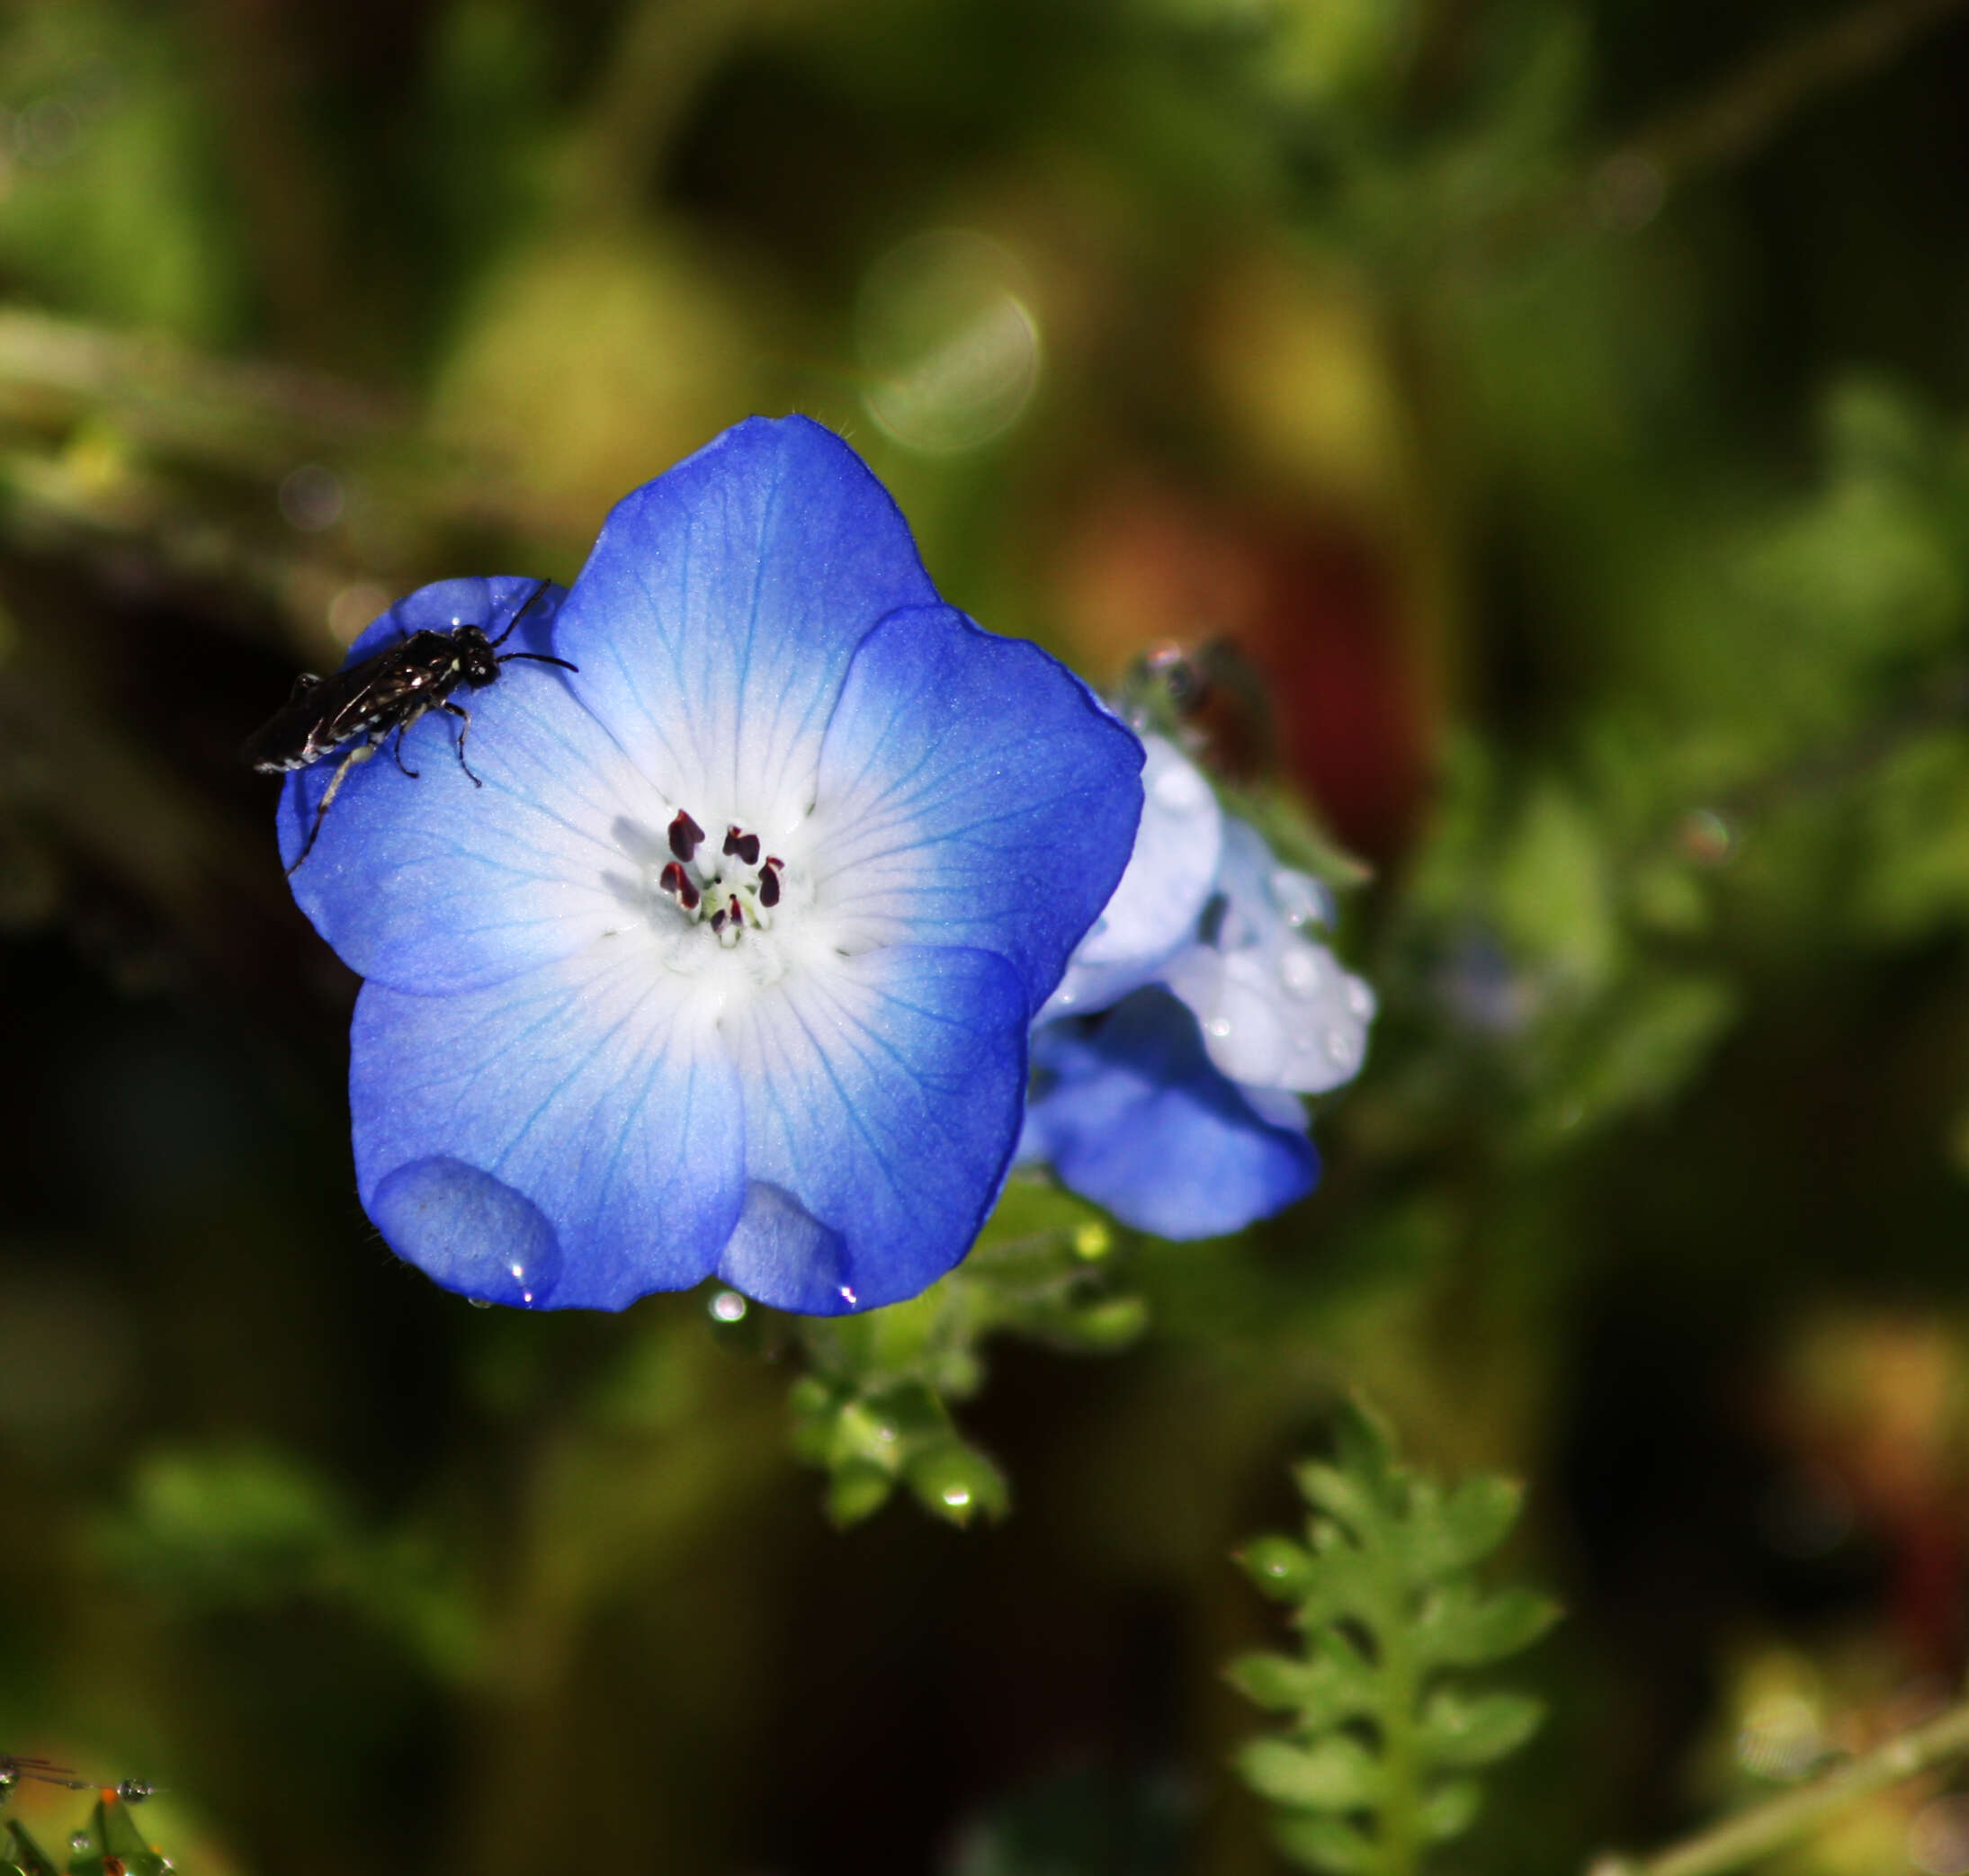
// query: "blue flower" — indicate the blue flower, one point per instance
point(1170, 1060)
point(729, 965)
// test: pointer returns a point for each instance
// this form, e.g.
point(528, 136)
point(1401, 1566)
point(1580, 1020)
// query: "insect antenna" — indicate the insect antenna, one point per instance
point(535, 658)
point(520, 612)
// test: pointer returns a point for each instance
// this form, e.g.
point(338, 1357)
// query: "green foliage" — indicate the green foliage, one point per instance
point(259, 1531)
point(1371, 1768)
point(873, 1411)
point(109, 1845)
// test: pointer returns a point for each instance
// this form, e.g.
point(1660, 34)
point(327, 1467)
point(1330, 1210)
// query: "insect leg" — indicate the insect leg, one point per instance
point(361, 753)
point(404, 724)
point(464, 714)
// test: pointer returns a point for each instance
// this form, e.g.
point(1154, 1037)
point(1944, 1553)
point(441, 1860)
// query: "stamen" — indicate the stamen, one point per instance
point(738, 912)
point(769, 884)
point(685, 835)
point(673, 879)
point(718, 921)
point(745, 845)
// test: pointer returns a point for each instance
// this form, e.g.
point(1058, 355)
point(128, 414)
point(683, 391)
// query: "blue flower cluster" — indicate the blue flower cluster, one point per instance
point(1170, 1062)
point(731, 964)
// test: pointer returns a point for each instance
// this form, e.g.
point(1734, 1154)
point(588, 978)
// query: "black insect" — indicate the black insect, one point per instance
point(356, 708)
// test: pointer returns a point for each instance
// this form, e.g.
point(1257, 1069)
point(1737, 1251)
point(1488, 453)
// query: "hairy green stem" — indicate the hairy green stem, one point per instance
point(1742, 1840)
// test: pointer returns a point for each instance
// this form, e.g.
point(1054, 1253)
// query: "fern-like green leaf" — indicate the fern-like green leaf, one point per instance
point(1329, 1844)
point(1457, 1627)
point(1457, 1731)
point(1372, 1767)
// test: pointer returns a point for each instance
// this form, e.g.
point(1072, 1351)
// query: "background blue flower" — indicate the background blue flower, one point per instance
point(1171, 1058)
point(730, 963)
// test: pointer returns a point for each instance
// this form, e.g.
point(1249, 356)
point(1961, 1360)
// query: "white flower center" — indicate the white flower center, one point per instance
point(731, 890)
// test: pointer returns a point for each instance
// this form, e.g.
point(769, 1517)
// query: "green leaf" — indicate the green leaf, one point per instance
point(1451, 1809)
point(1450, 1533)
point(1326, 1844)
point(858, 1489)
point(956, 1482)
point(1385, 1601)
point(1463, 1734)
point(1456, 1628)
point(25, 1854)
point(1338, 1774)
point(115, 1842)
point(1365, 1444)
point(1342, 1497)
point(1335, 1685)
point(1279, 1566)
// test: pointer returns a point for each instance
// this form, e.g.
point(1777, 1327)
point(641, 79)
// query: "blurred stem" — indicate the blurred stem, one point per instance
point(661, 55)
point(1757, 100)
point(1624, 188)
point(281, 182)
point(1742, 1840)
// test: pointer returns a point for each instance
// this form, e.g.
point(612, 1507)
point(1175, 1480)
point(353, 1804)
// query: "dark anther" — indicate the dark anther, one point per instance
point(684, 836)
point(718, 921)
point(673, 879)
point(738, 913)
point(745, 845)
point(769, 886)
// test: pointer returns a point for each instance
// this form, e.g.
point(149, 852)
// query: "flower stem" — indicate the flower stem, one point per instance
point(1755, 1833)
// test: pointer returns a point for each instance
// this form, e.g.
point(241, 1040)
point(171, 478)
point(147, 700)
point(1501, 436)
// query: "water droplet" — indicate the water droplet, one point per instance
point(1301, 899)
point(1360, 999)
point(955, 1496)
point(479, 1302)
point(1299, 969)
point(1179, 789)
point(1219, 1026)
point(9, 1776)
point(848, 1296)
point(79, 1840)
point(469, 1230)
point(1339, 1047)
point(134, 1791)
point(728, 1305)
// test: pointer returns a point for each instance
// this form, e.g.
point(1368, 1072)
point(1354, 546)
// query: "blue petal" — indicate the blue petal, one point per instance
point(1131, 1114)
point(432, 884)
point(716, 616)
point(581, 1121)
point(1154, 910)
point(882, 1100)
point(973, 793)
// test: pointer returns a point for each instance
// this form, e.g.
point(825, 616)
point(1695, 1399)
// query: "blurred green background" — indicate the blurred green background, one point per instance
point(1562, 408)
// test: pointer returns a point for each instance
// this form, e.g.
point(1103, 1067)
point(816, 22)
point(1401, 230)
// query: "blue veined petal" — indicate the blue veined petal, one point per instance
point(715, 618)
point(1131, 1114)
point(883, 1097)
point(429, 883)
point(972, 791)
point(581, 1120)
point(1154, 911)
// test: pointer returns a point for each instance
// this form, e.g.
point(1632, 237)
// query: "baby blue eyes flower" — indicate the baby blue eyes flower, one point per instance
point(729, 965)
point(1170, 1060)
